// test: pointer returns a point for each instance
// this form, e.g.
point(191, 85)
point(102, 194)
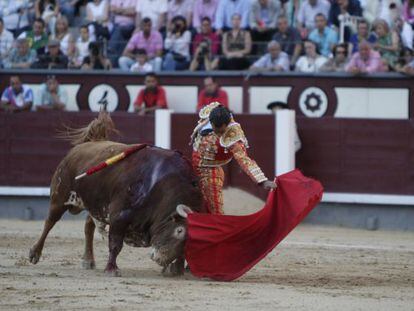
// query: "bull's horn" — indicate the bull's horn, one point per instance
point(183, 210)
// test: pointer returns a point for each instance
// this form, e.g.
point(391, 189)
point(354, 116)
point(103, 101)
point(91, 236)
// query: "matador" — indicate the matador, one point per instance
point(217, 139)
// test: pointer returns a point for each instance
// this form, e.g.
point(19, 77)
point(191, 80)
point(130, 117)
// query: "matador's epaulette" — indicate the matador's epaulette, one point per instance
point(232, 135)
point(205, 112)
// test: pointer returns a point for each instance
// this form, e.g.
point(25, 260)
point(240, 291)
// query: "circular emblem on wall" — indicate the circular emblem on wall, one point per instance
point(103, 95)
point(313, 102)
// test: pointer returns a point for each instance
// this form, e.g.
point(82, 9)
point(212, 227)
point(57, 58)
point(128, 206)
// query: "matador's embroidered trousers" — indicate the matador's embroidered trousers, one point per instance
point(211, 186)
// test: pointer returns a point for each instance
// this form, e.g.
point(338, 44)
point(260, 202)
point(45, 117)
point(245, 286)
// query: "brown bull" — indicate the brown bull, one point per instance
point(143, 198)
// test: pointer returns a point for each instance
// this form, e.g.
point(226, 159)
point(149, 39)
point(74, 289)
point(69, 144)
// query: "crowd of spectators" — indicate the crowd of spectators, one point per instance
point(203, 35)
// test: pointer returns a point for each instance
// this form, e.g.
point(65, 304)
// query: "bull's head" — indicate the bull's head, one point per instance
point(168, 243)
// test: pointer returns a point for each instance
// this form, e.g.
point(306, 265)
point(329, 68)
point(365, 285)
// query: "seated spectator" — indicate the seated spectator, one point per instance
point(67, 8)
point(65, 38)
point(97, 15)
point(123, 16)
point(291, 9)
point(387, 43)
point(338, 61)
point(152, 97)
point(53, 59)
point(311, 61)
point(324, 36)
point(236, 46)
point(148, 39)
point(15, 15)
point(177, 46)
point(370, 10)
point(389, 10)
point(48, 11)
point(82, 46)
point(52, 96)
point(36, 37)
point(95, 60)
point(154, 10)
point(365, 61)
point(212, 93)
point(141, 64)
point(361, 35)
point(21, 56)
point(344, 7)
point(227, 9)
point(274, 60)
point(17, 97)
point(203, 58)
point(405, 32)
point(288, 38)
point(307, 13)
point(203, 9)
point(6, 42)
point(406, 58)
point(408, 12)
point(207, 34)
point(182, 8)
point(262, 22)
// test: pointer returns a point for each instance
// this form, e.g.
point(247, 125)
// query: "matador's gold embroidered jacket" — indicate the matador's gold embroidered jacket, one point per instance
point(213, 151)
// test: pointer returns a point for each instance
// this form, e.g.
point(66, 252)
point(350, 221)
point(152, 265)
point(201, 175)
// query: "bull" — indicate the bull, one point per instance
point(143, 199)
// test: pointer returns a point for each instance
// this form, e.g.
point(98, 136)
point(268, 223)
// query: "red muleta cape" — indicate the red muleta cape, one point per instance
point(224, 247)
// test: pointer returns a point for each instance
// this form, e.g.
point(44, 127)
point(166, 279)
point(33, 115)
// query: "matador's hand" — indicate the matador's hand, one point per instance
point(269, 185)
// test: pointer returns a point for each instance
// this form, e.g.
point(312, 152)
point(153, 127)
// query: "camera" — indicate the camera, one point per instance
point(204, 48)
point(94, 49)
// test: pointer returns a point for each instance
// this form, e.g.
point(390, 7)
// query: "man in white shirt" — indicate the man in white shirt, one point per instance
point(15, 14)
point(156, 10)
point(227, 9)
point(274, 60)
point(6, 42)
point(307, 13)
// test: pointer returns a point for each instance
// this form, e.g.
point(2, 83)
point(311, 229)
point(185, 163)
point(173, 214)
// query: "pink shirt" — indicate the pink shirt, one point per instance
point(372, 64)
point(408, 13)
point(152, 44)
point(183, 8)
point(123, 4)
point(204, 9)
point(212, 37)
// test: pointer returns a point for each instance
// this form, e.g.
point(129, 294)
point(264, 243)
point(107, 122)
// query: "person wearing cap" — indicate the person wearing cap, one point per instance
point(279, 105)
point(216, 140)
point(53, 58)
point(21, 56)
point(52, 95)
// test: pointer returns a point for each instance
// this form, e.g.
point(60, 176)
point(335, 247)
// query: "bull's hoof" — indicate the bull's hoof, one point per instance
point(34, 256)
point(88, 264)
point(174, 269)
point(113, 273)
point(112, 270)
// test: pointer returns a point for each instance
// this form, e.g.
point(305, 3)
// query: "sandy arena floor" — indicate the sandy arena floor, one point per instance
point(315, 268)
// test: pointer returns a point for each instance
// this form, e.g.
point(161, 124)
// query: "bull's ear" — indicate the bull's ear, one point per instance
point(183, 210)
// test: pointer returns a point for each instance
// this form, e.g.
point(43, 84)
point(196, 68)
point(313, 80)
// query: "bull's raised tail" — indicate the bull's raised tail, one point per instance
point(98, 130)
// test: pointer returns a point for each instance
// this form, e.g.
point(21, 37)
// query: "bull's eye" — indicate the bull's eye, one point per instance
point(179, 232)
